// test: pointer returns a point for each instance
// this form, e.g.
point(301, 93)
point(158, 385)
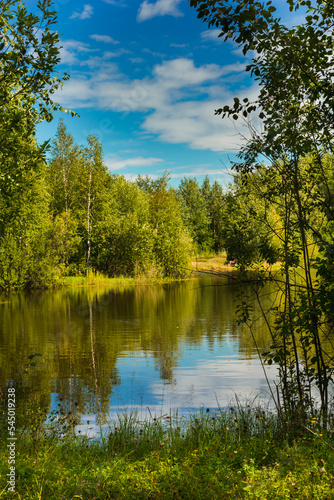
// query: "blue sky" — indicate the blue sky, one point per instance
point(146, 77)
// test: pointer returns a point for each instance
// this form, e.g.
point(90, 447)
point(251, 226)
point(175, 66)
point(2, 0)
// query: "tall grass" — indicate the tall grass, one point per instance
point(241, 452)
point(94, 278)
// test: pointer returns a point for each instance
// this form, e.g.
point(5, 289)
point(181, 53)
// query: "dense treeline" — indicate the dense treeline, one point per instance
point(118, 227)
point(70, 214)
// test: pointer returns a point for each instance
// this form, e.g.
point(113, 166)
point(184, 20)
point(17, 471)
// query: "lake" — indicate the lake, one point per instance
point(158, 348)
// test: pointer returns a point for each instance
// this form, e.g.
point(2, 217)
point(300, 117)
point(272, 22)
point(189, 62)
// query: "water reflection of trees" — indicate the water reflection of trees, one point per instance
point(83, 332)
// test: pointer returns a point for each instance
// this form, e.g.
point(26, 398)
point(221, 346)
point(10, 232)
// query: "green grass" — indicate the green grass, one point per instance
point(240, 453)
point(204, 262)
point(207, 262)
point(94, 278)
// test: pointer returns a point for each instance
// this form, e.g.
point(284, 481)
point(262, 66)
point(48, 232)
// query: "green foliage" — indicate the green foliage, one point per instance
point(114, 226)
point(28, 263)
point(29, 53)
point(250, 222)
point(195, 212)
point(172, 244)
point(27, 258)
point(63, 171)
point(215, 200)
point(124, 243)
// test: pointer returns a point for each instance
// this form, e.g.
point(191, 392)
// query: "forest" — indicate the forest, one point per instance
point(69, 214)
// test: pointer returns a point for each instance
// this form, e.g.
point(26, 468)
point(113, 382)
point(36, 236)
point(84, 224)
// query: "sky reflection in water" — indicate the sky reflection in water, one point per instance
point(169, 348)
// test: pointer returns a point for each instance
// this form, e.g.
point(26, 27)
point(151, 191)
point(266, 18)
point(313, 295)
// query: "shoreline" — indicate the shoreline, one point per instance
point(206, 265)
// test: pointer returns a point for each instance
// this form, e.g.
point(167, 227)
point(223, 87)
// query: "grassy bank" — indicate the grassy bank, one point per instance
point(238, 453)
point(94, 278)
point(211, 263)
point(219, 263)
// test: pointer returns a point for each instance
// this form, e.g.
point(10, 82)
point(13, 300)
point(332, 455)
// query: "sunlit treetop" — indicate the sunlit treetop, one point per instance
point(29, 55)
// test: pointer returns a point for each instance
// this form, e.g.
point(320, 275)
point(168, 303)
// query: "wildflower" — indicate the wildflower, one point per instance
point(322, 469)
point(264, 468)
point(227, 428)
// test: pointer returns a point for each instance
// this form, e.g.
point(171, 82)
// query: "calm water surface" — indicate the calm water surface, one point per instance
point(162, 347)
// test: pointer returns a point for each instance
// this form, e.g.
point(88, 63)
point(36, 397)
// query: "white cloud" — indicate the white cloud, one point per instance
point(115, 163)
point(73, 52)
point(177, 97)
point(102, 64)
point(179, 45)
point(211, 35)
point(182, 72)
point(194, 123)
point(118, 3)
point(148, 10)
point(136, 60)
point(154, 54)
point(71, 49)
point(196, 171)
point(104, 39)
point(85, 14)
